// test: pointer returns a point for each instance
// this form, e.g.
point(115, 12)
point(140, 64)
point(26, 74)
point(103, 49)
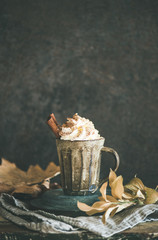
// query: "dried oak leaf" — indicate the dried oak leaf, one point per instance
point(5, 188)
point(32, 182)
point(27, 191)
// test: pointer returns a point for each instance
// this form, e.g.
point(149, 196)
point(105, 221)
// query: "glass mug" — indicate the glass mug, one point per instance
point(80, 162)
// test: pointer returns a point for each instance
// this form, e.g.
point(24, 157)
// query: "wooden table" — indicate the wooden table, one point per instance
point(10, 231)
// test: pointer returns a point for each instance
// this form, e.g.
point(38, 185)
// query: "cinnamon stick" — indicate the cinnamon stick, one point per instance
point(52, 123)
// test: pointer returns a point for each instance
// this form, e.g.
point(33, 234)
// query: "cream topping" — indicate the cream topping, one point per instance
point(78, 128)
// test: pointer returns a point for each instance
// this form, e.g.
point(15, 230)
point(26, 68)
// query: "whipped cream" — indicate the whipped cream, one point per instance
point(78, 128)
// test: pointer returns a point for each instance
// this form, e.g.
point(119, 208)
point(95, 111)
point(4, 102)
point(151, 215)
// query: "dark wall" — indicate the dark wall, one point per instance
point(97, 58)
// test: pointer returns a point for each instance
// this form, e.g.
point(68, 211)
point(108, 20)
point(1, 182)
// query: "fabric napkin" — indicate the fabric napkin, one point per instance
point(19, 213)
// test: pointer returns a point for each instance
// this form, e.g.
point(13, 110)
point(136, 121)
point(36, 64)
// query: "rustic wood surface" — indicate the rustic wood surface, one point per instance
point(11, 231)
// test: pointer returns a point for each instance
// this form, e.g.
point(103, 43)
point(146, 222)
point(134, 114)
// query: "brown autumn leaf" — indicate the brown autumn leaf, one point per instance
point(151, 195)
point(134, 193)
point(109, 213)
point(5, 188)
point(138, 190)
point(27, 191)
point(112, 177)
point(117, 188)
point(134, 185)
point(97, 207)
point(32, 182)
point(103, 190)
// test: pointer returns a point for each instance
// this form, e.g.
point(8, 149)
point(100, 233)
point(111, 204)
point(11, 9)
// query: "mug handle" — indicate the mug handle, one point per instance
point(94, 188)
point(117, 159)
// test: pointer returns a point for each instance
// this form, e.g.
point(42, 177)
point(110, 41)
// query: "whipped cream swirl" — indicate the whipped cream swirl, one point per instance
point(78, 128)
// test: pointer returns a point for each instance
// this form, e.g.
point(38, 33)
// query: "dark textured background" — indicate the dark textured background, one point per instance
point(97, 58)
